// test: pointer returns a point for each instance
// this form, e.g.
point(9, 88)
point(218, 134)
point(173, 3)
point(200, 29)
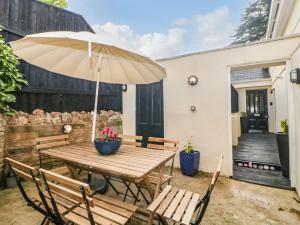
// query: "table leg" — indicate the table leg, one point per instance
point(153, 195)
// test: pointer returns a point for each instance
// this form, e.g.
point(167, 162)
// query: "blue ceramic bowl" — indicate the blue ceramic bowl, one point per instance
point(107, 147)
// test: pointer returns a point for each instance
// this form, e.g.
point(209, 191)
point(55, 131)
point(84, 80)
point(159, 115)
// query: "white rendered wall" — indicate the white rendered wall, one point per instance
point(210, 125)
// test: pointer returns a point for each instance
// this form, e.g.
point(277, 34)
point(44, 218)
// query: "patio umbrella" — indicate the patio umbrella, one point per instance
point(82, 55)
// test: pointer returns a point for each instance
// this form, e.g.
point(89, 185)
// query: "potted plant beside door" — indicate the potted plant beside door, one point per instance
point(189, 159)
point(244, 122)
point(283, 147)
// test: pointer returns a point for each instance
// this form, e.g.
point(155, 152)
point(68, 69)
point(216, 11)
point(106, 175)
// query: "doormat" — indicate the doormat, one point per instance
point(257, 165)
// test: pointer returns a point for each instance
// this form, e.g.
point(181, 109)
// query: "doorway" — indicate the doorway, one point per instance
point(150, 110)
point(257, 109)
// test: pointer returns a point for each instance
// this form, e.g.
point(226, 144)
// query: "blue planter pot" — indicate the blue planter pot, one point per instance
point(189, 163)
point(107, 147)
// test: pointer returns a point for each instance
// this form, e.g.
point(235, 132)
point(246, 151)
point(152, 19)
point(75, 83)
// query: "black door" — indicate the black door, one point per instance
point(257, 109)
point(150, 110)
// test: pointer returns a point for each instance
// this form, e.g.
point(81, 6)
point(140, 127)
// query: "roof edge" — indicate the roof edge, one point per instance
point(230, 47)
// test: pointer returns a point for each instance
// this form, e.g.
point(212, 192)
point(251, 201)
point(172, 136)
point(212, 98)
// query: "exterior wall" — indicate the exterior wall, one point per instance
point(295, 61)
point(293, 24)
point(279, 86)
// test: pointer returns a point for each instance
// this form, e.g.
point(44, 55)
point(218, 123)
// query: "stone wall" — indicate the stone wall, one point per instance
point(18, 133)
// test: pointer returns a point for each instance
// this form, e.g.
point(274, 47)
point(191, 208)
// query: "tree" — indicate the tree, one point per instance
point(254, 22)
point(58, 3)
point(11, 79)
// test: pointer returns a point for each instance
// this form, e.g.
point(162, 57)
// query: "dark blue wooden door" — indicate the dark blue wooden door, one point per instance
point(150, 110)
point(257, 109)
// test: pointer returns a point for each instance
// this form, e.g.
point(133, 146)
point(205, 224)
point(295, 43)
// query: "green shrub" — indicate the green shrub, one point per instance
point(189, 148)
point(284, 126)
point(243, 114)
point(58, 3)
point(11, 79)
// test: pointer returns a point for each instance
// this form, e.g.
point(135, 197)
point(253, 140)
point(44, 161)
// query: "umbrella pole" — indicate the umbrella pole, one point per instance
point(96, 97)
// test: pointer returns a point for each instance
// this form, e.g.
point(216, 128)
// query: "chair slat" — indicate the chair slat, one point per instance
point(174, 204)
point(69, 193)
point(66, 181)
point(97, 218)
point(131, 140)
point(76, 219)
point(108, 214)
point(162, 144)
point(160, 198)
point(51, 138)
point(186, 219)
point(112, 208)
point(114, 202)
point(52, 144)
point(183, 204)
point(166, 202)
point(21, 166)
point(26, 176)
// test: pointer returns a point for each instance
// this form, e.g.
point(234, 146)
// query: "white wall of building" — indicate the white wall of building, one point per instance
point(279, 86)
point(211, 124)
point(294, 119)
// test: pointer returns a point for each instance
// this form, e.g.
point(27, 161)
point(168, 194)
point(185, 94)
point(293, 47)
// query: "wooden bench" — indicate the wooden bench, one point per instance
point(71, 202)
point(53, 142)
point(24, 172)
point(179, 205)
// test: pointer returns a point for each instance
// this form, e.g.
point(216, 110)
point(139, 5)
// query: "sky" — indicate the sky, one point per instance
point(162, 28)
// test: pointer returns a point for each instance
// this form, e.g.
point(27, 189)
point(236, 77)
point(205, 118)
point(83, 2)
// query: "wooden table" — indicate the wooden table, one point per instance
point(129, 163)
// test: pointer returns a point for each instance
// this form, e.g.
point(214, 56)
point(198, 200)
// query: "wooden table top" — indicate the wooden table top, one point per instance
point(133, 163)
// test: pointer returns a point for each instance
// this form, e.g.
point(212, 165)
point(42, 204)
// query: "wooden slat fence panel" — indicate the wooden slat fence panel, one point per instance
point(46, 90)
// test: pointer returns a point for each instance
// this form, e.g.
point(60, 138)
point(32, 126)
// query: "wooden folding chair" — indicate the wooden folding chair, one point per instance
point(130, 140)
point(53, 142)
point(180, 205)
point(71, 202)
point(23, 172)
point(158, 144)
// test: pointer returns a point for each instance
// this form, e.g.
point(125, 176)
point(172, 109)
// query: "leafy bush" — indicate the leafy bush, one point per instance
point(243, 114)
point(284, 126)
point(58, 3)
point(11, 79)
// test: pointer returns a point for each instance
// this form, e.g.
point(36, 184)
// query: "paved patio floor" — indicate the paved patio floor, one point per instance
point(233, 202)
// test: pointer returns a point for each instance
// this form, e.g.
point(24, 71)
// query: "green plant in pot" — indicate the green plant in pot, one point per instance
point(189, 159)
point(283, 147)
point(244, 122)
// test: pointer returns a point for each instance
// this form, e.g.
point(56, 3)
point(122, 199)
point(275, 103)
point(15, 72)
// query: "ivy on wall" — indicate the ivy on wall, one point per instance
point(11, 79)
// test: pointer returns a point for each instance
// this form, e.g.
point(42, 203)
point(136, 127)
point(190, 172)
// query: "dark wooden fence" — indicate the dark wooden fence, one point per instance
point(234, 100)
point(46, 90)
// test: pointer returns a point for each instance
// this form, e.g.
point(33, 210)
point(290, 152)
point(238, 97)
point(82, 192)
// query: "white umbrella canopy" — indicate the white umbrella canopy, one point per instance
point(76, 54)
point(82, 55)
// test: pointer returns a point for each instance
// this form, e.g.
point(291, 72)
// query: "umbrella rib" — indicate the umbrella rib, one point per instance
point(56, 49)
point(146, 59)
point(134, 56)
point(121, 65)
